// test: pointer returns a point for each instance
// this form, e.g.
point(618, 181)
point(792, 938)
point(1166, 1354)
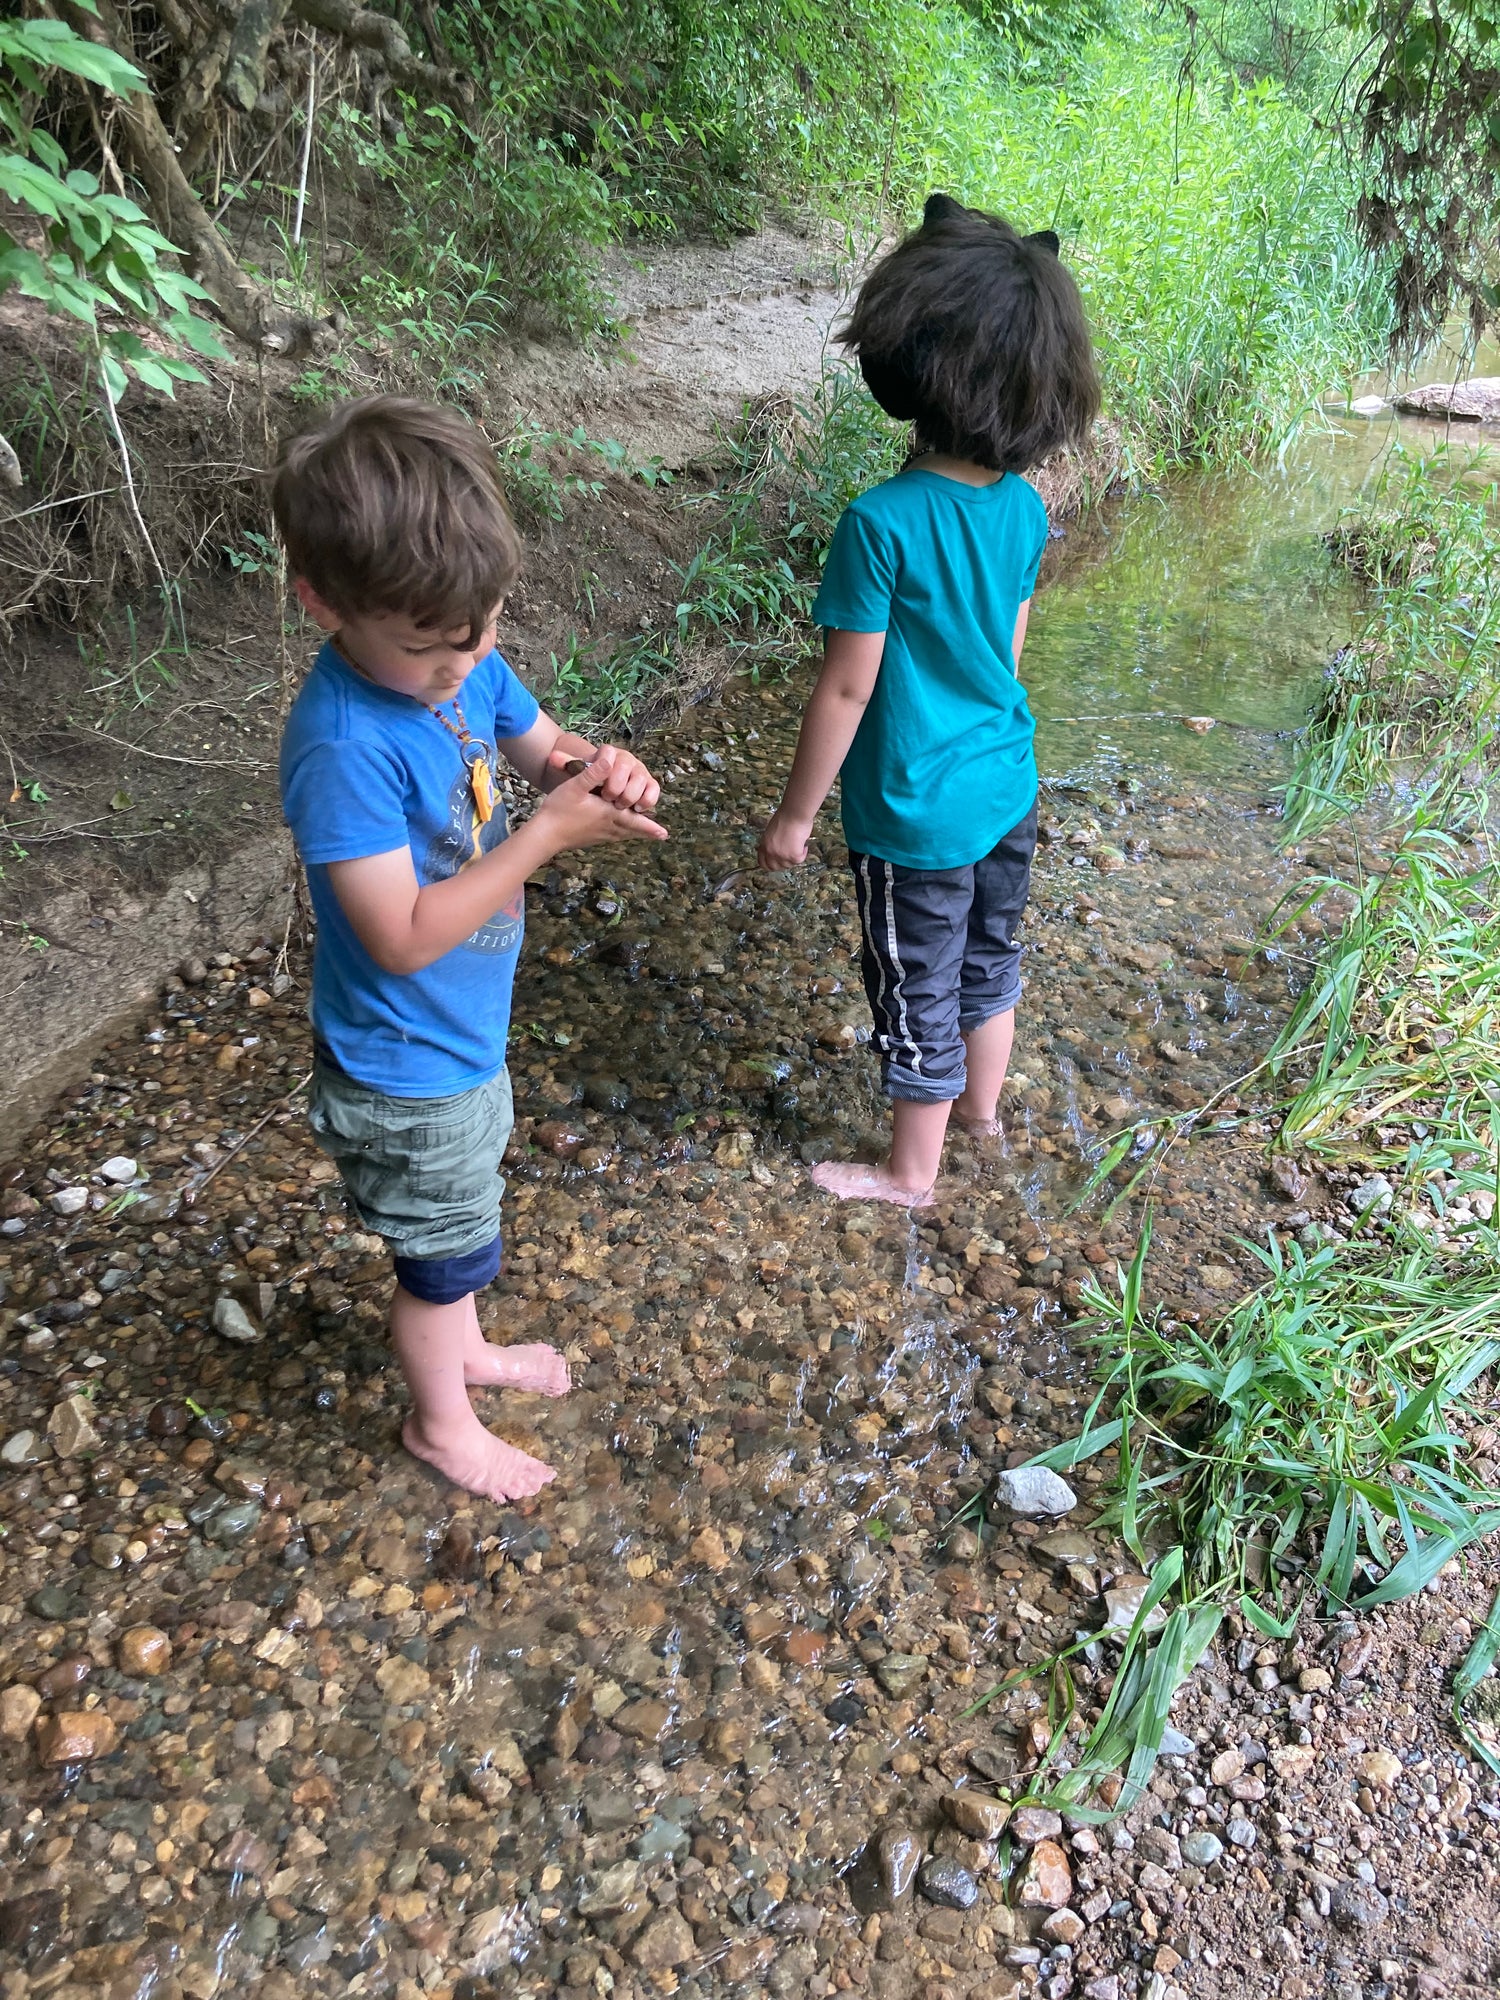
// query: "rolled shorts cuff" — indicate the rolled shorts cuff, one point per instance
point(1008, 1002)
point(911, 1087)
point(442, 1281)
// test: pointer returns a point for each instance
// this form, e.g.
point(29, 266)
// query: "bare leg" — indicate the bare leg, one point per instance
point(442, 1428)
point(907, 1176)
point(534, 1368)
point(988, 1059)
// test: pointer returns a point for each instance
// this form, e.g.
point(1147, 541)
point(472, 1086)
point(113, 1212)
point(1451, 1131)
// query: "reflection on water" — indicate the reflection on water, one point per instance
point(1211, 596)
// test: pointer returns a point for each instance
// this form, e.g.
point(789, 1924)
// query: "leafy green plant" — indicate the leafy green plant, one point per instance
point(1416, 692)
point(103, 258)
point(253, 555)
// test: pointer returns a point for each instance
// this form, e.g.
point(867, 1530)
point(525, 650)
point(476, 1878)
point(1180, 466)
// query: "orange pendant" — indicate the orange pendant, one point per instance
point(482, 785)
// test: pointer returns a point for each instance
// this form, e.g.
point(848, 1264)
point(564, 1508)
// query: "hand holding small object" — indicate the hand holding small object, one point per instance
point(602, 800)
point(625, 781)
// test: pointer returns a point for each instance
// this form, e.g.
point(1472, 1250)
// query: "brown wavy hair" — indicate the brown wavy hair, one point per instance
point(396, 505)
point(976, 335)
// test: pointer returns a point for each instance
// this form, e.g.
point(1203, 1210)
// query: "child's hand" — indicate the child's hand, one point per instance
point(581, 814)
point(627, 782)
point(783, 844)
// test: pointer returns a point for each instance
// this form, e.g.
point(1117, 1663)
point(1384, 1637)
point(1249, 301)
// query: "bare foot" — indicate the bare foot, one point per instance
point(477, 1460)
point(855, 1183)
point(979, 1124)
point(535, 1368)
point(978, 1128)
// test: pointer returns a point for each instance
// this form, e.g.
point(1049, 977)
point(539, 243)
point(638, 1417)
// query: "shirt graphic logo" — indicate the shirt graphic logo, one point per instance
point(461, 843)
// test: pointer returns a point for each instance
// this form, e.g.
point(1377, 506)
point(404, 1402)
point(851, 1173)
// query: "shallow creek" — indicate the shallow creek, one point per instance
point(629, 1739)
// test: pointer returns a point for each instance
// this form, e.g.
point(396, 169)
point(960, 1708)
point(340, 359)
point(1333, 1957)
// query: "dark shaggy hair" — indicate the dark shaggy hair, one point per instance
point(394, 505)
point(977, 336)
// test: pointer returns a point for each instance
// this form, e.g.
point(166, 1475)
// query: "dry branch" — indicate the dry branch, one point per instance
point(368, 29)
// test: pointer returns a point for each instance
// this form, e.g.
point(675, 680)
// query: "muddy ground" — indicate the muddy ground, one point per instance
point(281, 1714)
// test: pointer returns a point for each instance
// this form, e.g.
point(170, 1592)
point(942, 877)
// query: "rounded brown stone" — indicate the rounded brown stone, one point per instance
point(143, 1652)
point(75, 1736)
point(68, 1673)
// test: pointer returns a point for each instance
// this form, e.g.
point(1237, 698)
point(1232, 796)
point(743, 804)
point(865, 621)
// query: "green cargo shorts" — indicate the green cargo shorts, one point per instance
point(423, 1172)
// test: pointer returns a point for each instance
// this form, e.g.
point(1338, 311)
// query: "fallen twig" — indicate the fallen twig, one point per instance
point(191, 1193)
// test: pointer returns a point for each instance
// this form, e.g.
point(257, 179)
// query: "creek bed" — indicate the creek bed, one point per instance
point(628, 1739)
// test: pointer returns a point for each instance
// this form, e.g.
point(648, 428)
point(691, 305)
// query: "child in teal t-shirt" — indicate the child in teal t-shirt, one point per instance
point(977, 337)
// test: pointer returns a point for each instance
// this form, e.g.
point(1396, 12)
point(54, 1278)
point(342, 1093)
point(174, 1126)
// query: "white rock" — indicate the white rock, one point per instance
point(1123, 1602)
point(1034, 1489)
point(1367, 406)
point(231, 1319)
point(1372, 1197)
point(120, 1170)
point(69, 1200)
point(20, 1449)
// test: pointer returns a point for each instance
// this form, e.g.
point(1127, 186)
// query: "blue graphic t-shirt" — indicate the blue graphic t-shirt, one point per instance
point(365, 770)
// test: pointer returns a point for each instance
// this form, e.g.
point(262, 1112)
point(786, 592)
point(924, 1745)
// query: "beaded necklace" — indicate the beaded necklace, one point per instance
point(472, 749)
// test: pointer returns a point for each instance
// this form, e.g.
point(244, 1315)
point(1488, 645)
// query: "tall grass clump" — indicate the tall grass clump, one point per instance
point(1209, 224)
point(1311, 1448)
point(1411, 703)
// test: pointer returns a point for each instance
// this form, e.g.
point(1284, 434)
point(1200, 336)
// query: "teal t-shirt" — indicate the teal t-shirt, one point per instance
point(942, 766)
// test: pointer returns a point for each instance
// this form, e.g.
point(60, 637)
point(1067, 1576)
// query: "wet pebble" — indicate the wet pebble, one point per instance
point(664, 1944)
point(232, 1524)
point(52, 1603)
point(898, 1855)
point(610, 1890)
point(144, 1651)
point(64, 1676)
point(1046, 1881)
point(71, 1427)
point(76, 1736)
point(899, 1673)
point(606, 1093)
point(944, 1882)
point(979, 1817)
point(233, 1322)
point(19, 1707)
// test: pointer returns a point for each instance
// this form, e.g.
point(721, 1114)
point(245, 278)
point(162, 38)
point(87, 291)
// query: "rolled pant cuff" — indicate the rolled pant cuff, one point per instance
point(910, 1087)
point(442, 1281)
point(967, 1023)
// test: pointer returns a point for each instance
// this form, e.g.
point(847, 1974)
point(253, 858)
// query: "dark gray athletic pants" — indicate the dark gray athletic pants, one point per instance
point(940, 958)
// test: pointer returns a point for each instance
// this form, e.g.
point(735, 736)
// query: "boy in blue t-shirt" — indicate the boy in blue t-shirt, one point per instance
point(977, 337)
point(396, 532)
